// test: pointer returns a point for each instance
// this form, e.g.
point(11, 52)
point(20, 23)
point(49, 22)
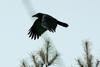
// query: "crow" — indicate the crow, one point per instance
point(43, 23)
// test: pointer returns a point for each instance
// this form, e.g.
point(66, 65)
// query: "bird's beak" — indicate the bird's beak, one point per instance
point(34, 16)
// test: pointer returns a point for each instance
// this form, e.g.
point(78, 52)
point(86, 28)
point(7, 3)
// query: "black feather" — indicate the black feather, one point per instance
point(43, 23)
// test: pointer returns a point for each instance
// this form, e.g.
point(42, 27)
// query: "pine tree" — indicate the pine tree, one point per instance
point(46, 56)
point(88, 60)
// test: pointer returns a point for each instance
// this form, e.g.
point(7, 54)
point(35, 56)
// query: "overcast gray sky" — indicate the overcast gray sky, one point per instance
point(83, 17)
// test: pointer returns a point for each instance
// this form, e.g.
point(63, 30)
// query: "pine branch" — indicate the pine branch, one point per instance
point(46, 56)
point(80, 63)
point(42, 55)
point(53, 59)
point(97, 63)
point(24, 64)
point(88, 55)
point(33, 58)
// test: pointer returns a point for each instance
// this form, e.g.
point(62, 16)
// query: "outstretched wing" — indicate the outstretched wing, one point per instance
point(49, 23)
point(36, 30)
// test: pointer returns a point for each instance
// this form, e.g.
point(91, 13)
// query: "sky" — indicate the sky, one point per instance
point(81, 15)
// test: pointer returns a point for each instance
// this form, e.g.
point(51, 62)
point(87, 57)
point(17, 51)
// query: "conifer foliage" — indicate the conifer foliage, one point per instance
point(88, 58)
point(46, 56)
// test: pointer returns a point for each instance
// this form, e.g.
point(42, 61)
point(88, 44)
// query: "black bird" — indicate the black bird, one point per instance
point(43, 23)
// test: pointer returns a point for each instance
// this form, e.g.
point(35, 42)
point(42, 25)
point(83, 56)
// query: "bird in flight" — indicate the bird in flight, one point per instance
point(43, 23)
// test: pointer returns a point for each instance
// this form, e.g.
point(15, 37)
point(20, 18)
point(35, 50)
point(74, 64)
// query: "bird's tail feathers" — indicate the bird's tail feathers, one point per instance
point(63, 24)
